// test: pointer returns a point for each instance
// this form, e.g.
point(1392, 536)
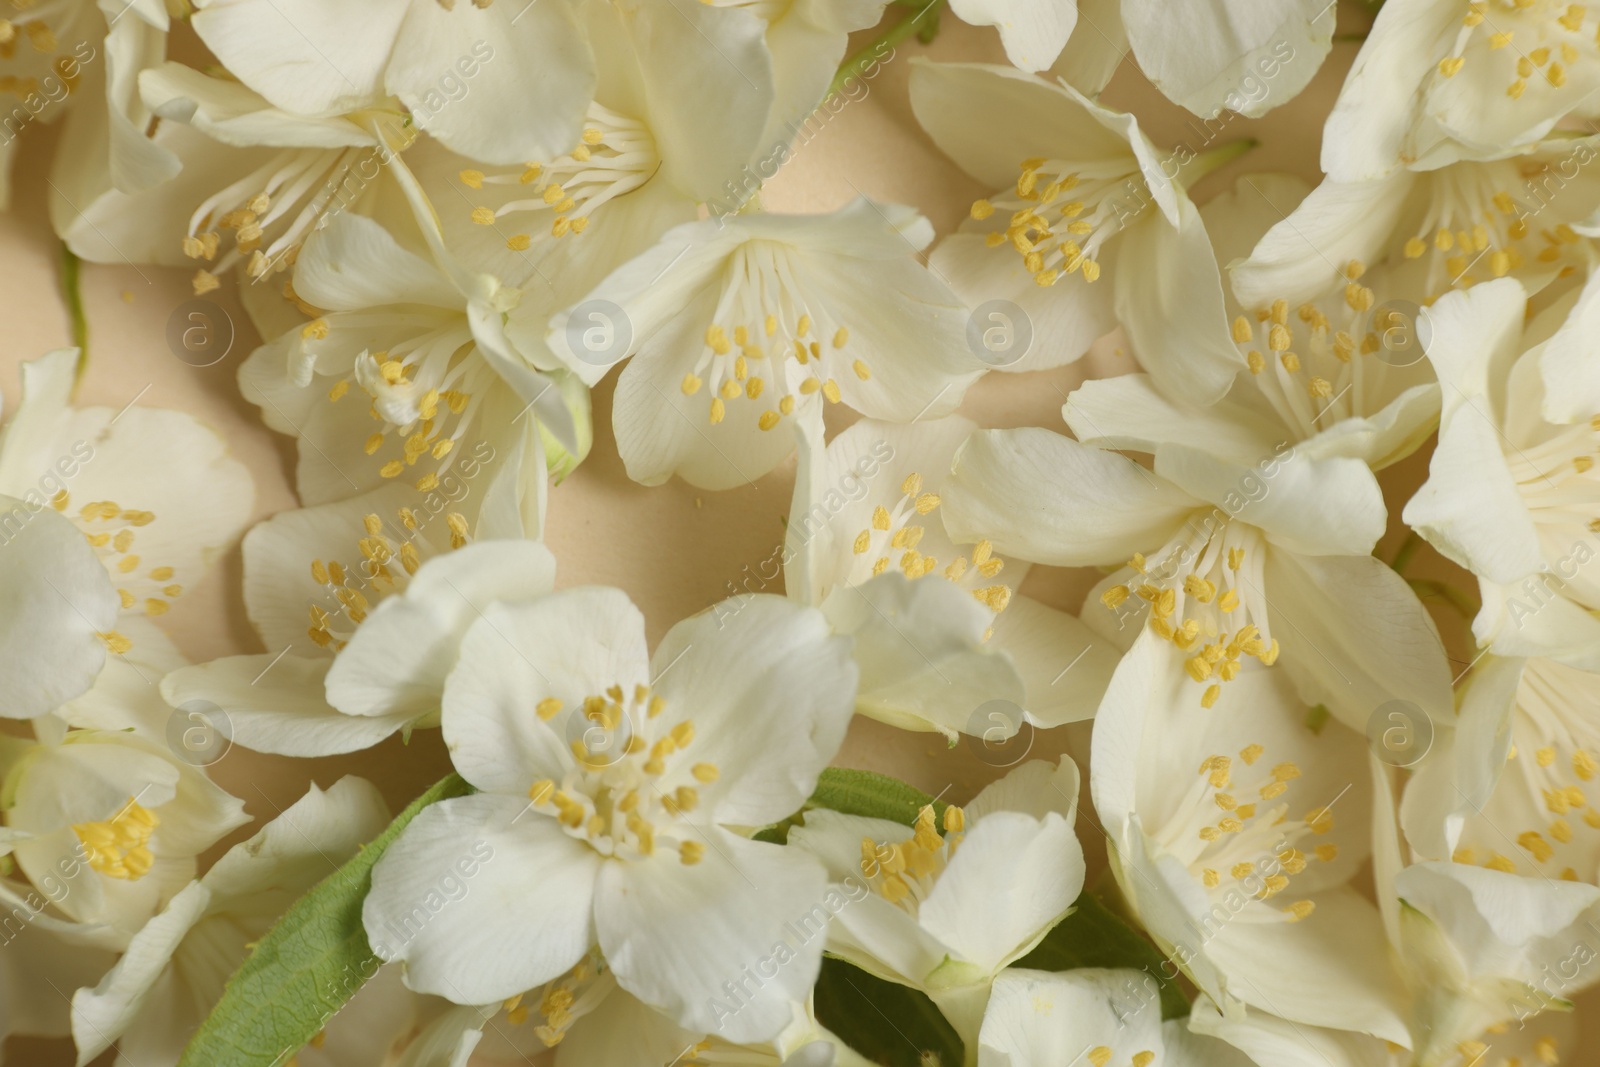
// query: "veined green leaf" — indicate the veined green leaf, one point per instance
point(874, 795)
point(306, 967)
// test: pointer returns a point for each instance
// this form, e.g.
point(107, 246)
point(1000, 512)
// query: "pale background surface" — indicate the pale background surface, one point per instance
point(674, 549)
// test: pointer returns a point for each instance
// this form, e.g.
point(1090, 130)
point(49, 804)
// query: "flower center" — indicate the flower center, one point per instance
point(892, 540)
point(109, 529)
point(904, 873)
point(424, 392)
point(1557, 478)
point(613, 797)
point(615, 155)
point(1315, 374)
point(1237, 835)
point(1557, 757)
point(333, 629)
point(767, 320)
point(1050, 196)
point(119, 847)
point(1217, 596)
point(46, 25)
point(1547, 40)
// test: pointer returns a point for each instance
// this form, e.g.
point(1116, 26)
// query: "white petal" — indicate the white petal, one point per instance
point(306, 57)
point(770, 691)
point(1011, 879)
point(1247, 56)
point(685, 938)
point(353, 263)
point(1064, 665)
point(55, 601)
point(480, 904)
point(1035, 788)
point(528, 75)
point(1571, 377)
point(1046, 498)
point(1033, 31)
point(1131, 412)
point(397, 660)
point(1035, 1017)
point(567, 646)
point(623, 1030)
point(1355, 637)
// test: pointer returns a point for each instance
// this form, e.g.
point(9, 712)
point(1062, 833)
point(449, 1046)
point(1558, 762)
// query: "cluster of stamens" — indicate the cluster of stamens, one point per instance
point(904, 873)
point(333, 629)
point(119, 847)
point(1558, 479)
point(778, 338)
point(42, 39)
point(1216, 647)
point(615, 155)
point(1038, 210)
point(1551, 63)
point(891, 533)
point(562, 1001)
point(614, 798)
point(1235, 834)
point(425, 395)
point(109, 529)
point(286, 197)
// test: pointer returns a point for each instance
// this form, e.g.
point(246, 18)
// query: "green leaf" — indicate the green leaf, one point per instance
point(306, 967)
point(874, 795)
point(72, 293)
point(887, 1023)
point(1093, 936)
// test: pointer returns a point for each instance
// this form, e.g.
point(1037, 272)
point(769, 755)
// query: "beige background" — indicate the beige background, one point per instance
point(673, 549)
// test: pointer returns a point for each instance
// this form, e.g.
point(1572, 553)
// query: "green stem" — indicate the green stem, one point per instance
point(1426, 587)
point(1407, 549)
point(72, 292)
point(857, 64)
point(1198, 166)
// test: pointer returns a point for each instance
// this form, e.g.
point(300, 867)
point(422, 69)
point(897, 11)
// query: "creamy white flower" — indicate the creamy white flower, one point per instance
point(1234, 833)
point(1246, 56)
point(1439, 82)
point(105, 516)
point(739, 323)
point(528, 71)
point(83, 58)
point(612, 784)
point(117, 821)
point(1509, 788)
point(866, 544)
point(946, 912)
point(1105, 1017)
point(1223, 568)
point(1315, 384)
point(1435, 230)
point(388, 582)
point(1081, 193)
point(422, 340)
point(174, 968)
point(1512, 493)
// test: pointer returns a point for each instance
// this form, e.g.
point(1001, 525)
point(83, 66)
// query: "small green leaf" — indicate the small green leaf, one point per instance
point(874, 795)
point(887, 1023)
point(1093, 936)
point(306, 967)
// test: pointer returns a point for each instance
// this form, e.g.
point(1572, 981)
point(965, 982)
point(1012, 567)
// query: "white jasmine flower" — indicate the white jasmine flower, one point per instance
point(867, 545)
point(1316, 383)
point(1105, 1016)
point(610, 782)
point(119, 820)
point(1221, 567)
point(388, 582)
point(1435, 83)
point(1513, 494)
point(1434, 230)
point(738, 324)
point(1081, 193)
point(105, 516)
point(1234, 834)
point(946, 912)
point(174, 968)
